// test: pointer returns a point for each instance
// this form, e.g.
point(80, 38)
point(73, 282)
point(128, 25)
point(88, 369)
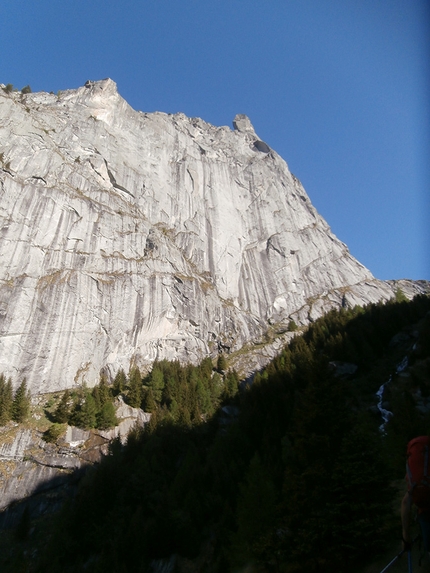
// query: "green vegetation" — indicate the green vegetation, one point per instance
point(13, 406)
point(119, 383)
point(26, 90)
point(400, 296)
point(61, 414)
point(21, 403)
point(221, 363)
point(291, 473)
point(6, 400)
point(53, 432)
point(90, 408)
point(184, 394)
point(135, 388)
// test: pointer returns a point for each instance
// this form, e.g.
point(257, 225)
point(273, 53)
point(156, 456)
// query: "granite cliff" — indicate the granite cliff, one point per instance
point(129, 236)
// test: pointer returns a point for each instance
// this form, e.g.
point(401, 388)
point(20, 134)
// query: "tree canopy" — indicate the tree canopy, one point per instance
point(290, 473)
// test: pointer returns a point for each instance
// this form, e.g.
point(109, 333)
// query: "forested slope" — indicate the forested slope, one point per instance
point(290, 473)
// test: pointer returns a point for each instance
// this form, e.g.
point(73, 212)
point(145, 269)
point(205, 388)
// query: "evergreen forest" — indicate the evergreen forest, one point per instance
point(291, 472)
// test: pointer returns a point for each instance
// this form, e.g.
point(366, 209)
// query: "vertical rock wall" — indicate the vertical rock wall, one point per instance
point(126, 237)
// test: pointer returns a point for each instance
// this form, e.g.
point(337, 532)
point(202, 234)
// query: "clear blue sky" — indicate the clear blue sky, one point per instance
point(339, 88)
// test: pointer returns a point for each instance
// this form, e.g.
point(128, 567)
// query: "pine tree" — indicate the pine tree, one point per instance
point(203, 397)
point(21, 403)
point(119, 382)
point(184, 416)
point(53, 432)
point(134, 396)
point(216, 387)
point(6, 399)
point(84, 411)
point(221, 364)
point(62, 412)
point(231, 386)
point(101, 393)
point(89, 412)
point(206, 367)
point(156, 383)
point(106, 418)
point(174, 410)
point(149, 404)
point(170, 390)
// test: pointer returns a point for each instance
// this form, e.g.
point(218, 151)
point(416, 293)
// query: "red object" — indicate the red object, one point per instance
point(418, 471)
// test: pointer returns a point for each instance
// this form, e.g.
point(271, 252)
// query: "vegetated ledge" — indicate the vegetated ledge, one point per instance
point(43, 475)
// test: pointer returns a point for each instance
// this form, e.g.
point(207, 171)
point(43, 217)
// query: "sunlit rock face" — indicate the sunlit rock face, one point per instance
point(129, 236)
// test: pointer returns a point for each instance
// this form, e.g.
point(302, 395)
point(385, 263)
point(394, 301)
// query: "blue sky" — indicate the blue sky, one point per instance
point(339, 88)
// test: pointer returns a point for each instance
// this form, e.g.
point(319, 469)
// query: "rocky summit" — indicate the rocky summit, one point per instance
point(127, 237)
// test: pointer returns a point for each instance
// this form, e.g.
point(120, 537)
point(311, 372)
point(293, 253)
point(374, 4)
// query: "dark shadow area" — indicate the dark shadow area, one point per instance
point(292, 473)
point(261, 146)
point(47, 498)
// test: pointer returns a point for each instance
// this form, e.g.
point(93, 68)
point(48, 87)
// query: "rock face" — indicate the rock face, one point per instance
point(128, 236)
point(31, 468)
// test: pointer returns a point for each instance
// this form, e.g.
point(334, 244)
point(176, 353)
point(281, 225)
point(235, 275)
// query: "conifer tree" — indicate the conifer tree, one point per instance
point(184, 416)
point(75, 409)
point(6, 399)
point(53, 432)
point(149, 404)
point(174, 410)
point(231, 385)
point(156, 383)
point(62, 412)
point(206, 367)
point(21, 403)
point(84, 411)
point(106, 418)
point(203, 397)
point(215, 387)
point(101, 393)
point(170, 390)
point(221, 364)
point(88, 412)
point(134, 396)
point(119, 382)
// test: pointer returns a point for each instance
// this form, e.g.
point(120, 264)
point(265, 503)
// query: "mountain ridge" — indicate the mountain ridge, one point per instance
point(128, 237)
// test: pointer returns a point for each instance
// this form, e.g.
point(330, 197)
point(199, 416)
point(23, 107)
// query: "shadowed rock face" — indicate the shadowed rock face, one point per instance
point(129, 236)
point(31, 468)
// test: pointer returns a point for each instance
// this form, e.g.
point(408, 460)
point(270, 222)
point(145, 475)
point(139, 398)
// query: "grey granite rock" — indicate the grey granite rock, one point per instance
point(29, 466)
point(129, 236)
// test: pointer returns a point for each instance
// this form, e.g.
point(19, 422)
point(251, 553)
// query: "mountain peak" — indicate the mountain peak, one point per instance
point(128, 237)
point(107, 85)
point(242, 123)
